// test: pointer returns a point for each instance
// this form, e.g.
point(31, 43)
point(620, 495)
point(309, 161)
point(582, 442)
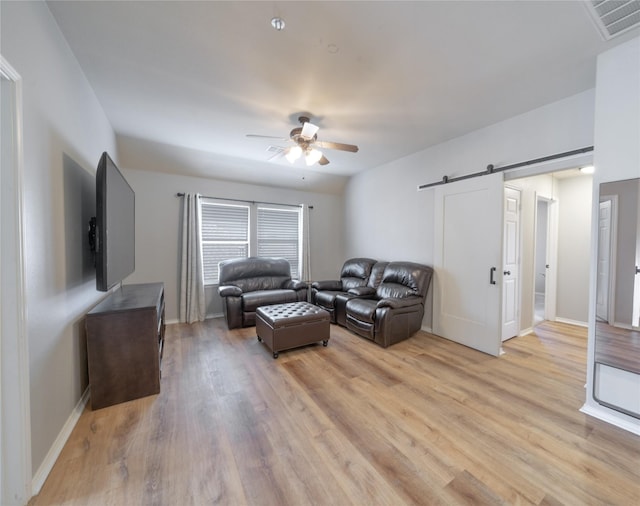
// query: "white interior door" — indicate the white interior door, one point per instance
point(635, 321)
point(467, 262)
point(604, 259)
point(511, 259)
point(551, 270)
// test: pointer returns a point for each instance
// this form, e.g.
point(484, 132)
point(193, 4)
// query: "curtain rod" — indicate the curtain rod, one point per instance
point(491, 169)
point(247, 201)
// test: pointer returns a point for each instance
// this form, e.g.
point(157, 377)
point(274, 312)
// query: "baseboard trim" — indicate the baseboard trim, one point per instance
point(525, 332)
point(426, 329)
point(572, 322)
point(54, 452)
point(207, 317)
point(612, 417)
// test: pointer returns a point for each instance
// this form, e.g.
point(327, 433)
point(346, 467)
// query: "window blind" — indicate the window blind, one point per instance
point(279, 235)
point(225, 235)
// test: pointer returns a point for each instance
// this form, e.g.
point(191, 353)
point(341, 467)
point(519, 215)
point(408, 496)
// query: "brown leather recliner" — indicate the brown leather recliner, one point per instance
point(248, 283)
point(396, 310)
point(359, 277)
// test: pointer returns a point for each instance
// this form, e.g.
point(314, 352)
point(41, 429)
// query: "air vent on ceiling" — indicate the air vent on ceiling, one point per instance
point(614, 17)
point(275, 150)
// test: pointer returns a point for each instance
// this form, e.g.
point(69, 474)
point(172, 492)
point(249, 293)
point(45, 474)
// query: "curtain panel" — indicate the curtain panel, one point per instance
point(192, 302)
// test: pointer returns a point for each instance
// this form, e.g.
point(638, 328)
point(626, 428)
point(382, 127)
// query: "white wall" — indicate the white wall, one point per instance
point(158, 222)
point(64, 133)
point(388, 219)
point(617, 157)
point(574, 242)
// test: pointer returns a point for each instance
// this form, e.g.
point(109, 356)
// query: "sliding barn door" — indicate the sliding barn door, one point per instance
point(468, 261)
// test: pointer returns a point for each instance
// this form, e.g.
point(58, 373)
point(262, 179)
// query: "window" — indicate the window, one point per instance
point(242, 230)
point(279, 235)
point(225, 234)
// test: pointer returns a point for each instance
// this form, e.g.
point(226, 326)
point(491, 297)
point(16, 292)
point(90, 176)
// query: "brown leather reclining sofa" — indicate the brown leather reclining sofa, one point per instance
point(248, 283)
point(359, 277)
point(381, 301)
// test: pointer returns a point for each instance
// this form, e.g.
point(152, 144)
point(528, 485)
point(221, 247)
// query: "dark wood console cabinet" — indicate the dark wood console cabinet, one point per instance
point(125, 340)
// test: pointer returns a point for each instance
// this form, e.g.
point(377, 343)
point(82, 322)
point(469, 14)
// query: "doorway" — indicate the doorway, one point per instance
point(605, 292)
point(541, 262)
point(15, 442)
point(556, 232)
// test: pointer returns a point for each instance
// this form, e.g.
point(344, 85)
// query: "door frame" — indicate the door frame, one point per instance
point(613, 255)
point(15, 451)
point(551, 254)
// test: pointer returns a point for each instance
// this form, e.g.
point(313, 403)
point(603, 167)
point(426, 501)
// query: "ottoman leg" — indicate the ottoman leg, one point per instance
point(275, 354)
point(325, 342)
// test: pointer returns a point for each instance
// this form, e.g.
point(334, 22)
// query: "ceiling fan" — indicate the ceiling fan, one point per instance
point(305, 139)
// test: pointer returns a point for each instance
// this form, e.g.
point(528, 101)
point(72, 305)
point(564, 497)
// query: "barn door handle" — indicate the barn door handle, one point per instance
point(507, 273)
point(491, 273)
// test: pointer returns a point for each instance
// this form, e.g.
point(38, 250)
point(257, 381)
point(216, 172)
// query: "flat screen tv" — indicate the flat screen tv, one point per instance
point(115, 234)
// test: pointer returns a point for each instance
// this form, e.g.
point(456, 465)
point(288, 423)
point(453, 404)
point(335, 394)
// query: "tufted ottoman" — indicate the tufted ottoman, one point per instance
point(286, 326)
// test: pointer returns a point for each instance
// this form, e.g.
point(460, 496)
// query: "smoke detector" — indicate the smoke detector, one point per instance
point(278, 24)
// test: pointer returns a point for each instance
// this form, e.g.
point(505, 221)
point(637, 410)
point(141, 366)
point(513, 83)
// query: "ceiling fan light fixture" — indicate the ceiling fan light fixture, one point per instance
point(309, 130)
point(313, 156)
point(294, 153)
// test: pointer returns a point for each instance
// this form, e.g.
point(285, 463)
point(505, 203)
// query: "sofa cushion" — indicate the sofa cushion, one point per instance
point(362, 309)
point(253, 300)
point(355, 272)
point(403, 279)
point(254, 273)
point(377, 272)
point(394, 291)
point(261, 283)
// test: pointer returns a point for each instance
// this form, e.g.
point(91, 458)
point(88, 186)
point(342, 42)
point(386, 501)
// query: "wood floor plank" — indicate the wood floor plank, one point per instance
point(426, 421)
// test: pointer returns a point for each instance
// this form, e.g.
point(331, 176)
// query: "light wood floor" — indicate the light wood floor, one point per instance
point(618, 347)
point(426, 421)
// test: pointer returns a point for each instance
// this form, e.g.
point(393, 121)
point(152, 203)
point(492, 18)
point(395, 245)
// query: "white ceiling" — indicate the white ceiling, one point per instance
point(183, 82)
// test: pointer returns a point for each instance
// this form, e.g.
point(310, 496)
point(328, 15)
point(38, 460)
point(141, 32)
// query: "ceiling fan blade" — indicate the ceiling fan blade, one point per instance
point(309, 130)
point(323, 160)
point(267, 137)
point(336, 145)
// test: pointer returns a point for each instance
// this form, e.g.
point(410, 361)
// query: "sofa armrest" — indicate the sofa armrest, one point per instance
point(295, 284)
point(335, 285)
point(362, 291)
point(229, 291)
point(398, 303)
